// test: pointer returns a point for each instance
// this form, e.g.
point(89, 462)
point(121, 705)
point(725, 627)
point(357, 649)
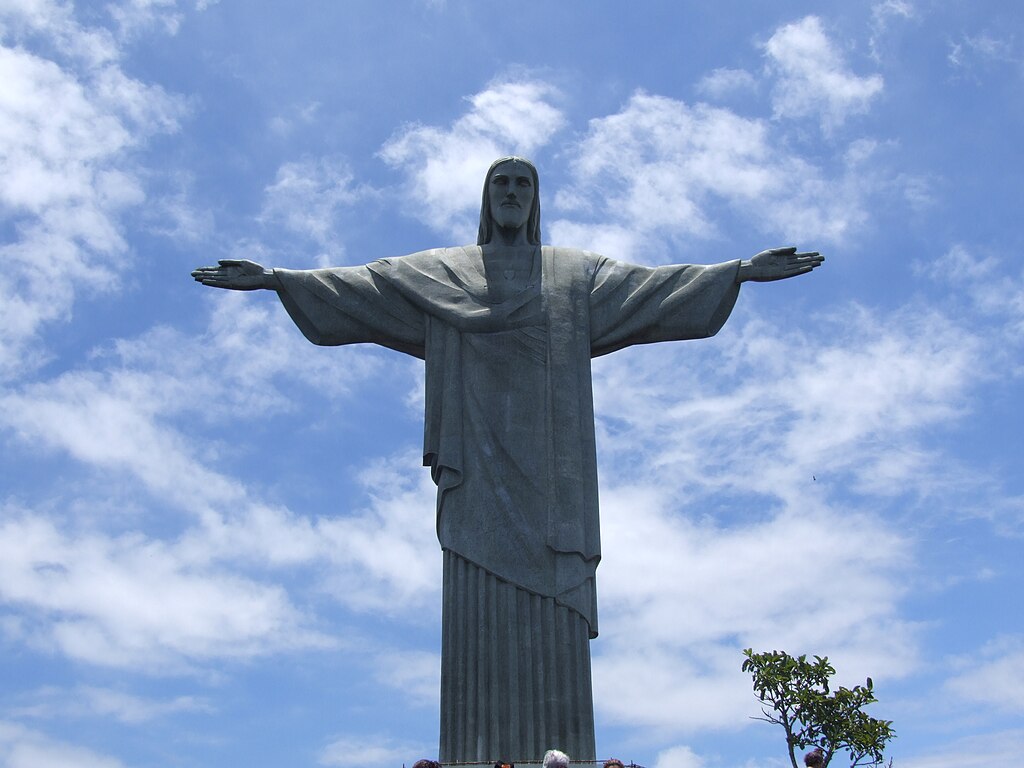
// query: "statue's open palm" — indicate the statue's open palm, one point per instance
point(233, 274)
point(778, 264)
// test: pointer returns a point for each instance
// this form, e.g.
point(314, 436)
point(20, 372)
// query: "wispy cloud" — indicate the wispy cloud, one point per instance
point(972, 51)
point(813, 79)
point(136, 17)
point(990, 290)
point(995, 679)
point(725, 81)
point(22, 747)
point(306, 197)
point(369, 752)
point(883, 15)
point(93, 702)
point(416, 675)
point(443, 166)
point(981, 751)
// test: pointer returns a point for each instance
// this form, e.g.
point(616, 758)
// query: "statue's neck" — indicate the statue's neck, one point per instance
point(500, 252)
point(514, 237)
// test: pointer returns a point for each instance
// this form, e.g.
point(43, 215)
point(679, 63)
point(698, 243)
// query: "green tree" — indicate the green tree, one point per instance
point(795, 694)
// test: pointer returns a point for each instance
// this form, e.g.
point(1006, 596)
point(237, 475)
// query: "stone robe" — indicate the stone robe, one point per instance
point(509, 438)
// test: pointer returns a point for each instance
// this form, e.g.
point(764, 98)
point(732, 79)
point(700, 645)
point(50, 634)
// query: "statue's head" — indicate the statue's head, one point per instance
point(511, 199)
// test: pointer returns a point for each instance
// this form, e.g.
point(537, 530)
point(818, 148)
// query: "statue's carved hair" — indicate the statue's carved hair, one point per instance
point(486, 230)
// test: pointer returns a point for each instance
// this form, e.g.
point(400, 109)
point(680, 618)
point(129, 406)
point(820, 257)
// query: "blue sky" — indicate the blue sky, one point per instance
point(216, 542)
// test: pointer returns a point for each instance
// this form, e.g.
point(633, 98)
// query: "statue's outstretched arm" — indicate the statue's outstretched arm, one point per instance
point(777, 264)
point(237, 275)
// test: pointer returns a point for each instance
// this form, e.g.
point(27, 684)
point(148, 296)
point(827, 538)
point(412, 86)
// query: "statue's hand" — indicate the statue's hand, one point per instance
point(236, 275)
point(778, 264)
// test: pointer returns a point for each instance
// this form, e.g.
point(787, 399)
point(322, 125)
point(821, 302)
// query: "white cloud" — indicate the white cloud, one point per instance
point(66, 178)
point(678, 757)
point(134, 17)
point(444, 166)
point(681, 599)
point(813, 79)
point(21, 747)
point(981, 49)
point(882, 15)
point(125, 599)
point(380, 556)
point(173, 215)
point(130, 601)
point(994, 677)
point(120, 416)
point(723, 82)
point(416, 675)
point(293, 117)
point(386, 557)
point(980, 751)
point(989, 288)
point(307, 195)
point(55, 21)
point(846, 398)
point(368, 752)
point(90, 701)
point(660, 166)
point(687, 580)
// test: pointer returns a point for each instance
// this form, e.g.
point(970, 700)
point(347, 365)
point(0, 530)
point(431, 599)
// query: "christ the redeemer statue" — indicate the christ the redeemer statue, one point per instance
point(507, 328)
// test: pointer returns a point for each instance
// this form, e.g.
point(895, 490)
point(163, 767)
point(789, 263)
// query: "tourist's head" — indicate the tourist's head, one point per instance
point(613, 763)
point(503, 764)
point(426, 764)
point(815, 758)
point(555, 759)
point(511, 199)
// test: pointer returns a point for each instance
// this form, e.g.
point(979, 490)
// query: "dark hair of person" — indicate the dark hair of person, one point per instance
point(486, 230)
point(426, 764)
point(815, 758)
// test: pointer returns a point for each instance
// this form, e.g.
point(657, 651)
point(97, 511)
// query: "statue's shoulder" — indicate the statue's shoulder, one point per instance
point(575, 260)
point(434, 256)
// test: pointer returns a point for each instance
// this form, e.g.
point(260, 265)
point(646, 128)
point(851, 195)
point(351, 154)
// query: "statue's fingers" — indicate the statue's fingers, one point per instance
point(230, 262)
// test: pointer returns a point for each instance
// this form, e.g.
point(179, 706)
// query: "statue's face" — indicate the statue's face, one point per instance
point(511, 194)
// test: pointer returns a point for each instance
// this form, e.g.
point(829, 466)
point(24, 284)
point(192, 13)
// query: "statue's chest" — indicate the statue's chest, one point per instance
point(510, 272)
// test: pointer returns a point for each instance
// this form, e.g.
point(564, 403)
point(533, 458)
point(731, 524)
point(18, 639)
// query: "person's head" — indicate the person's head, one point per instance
point(555, 759)
point(613, 763)
point(503, 764)
point(511, 199)
point(815, 758)
point(424, 763)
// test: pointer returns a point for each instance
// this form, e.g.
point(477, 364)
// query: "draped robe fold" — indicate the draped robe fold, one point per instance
point(509, 438)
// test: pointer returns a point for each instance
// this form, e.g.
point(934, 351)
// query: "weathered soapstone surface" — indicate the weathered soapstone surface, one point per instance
point(507, 329)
